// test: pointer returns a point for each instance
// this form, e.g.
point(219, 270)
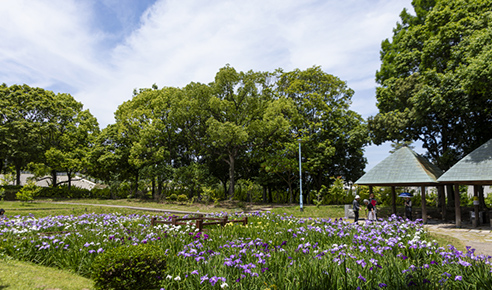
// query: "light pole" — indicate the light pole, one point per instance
point(300, 176)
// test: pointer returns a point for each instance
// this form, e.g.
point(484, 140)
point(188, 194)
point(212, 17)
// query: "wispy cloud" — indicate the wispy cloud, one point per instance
point(99, 51)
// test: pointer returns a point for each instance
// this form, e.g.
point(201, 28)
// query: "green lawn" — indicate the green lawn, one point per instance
point(17, 275)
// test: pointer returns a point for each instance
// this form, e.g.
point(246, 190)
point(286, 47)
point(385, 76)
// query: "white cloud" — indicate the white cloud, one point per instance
point(58, 45)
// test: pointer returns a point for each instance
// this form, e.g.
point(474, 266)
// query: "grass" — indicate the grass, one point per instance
point(23, 275)
point(43, 208)
point(332, 211)
point(447, 240)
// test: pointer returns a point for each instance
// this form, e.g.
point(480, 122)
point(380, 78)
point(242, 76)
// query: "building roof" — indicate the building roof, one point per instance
point(403, 168)
point(46, 182)
point(474, 168)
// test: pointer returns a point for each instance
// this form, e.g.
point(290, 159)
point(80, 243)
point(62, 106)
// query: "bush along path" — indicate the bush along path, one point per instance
point(271, 251)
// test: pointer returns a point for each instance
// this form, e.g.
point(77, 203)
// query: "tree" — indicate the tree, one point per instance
point(24, 112)
point(69, 151)
point(435, 79)
point(242, 114)
point(281, 159)
point(332, 135)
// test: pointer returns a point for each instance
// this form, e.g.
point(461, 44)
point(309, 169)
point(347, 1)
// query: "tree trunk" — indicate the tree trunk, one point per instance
point(17, 175)
point(232, 181)
point(153, 188)
point(264, 194)
point(290, 194)
point(54, 180)
point(159, 188)
point(136, 184)
point(69, 176)
point(224, 183)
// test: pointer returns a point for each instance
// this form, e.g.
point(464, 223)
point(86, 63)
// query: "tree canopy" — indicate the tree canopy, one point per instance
point(435, 79)
point(43, 128)
point(241, 129)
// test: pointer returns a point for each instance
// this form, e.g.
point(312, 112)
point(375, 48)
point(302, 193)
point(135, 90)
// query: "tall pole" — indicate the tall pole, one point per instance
point(300, 176)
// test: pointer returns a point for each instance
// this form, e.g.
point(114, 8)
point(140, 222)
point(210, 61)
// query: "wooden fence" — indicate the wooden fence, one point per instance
point(200, 221)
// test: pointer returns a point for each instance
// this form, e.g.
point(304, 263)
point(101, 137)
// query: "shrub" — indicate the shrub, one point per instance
point(134, 267)
point(101, 193)
point(62, 191)
point(182, 198)
point(28, 192)
point(173, 197)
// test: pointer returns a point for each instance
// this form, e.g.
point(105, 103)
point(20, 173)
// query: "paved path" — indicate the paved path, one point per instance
point(479, 238)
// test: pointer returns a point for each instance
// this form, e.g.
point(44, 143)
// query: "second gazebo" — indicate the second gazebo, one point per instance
point(403, 168)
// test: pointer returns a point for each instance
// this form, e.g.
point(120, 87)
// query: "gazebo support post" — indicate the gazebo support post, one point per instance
point(442, 200)
point(457, 205)
point(476, 220)
point(393, 199)
point(481, 198)
point(424, 208)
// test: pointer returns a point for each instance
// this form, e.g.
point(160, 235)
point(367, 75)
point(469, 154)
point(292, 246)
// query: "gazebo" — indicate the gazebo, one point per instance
point(474, 169)
point(403, 168)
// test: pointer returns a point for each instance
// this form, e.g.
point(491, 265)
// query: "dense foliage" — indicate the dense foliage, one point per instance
point(232, 138)
point(43, 132)
point(435, 79)
point(271, 251)
point(133, 267)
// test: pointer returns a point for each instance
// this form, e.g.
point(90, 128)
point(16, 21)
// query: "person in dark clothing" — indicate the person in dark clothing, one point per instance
point(356, 208)
point(408, 208)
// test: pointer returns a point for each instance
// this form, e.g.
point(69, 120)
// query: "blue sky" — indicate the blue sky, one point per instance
point(99, 51)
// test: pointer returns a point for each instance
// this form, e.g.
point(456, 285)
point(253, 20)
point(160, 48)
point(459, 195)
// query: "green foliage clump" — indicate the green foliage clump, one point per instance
point(101, 193)
point(173, 197)
point(63, 191)
point(182, 198)
point(134, 267)
point(28, 192)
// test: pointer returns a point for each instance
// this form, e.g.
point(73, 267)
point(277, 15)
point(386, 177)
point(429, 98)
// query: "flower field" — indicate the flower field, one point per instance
point(271, 252)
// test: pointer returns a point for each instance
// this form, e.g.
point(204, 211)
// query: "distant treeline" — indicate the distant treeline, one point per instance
point(237, 137)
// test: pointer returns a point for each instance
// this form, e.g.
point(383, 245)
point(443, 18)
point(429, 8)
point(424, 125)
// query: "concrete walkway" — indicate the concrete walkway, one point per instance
point(479, 238)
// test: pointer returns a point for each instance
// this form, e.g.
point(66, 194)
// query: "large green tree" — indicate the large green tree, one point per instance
point(435, 79)
point(242, 114)
point(70, 133)
point(332, 135)
point(70, 150)
point(24, 116)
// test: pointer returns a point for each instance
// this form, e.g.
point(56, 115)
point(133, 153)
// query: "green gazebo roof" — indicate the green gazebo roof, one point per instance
point(403, 168)
point(474, 168)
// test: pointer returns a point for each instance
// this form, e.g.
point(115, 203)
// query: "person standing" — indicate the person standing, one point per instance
point(408, 208)
point(371, 215)
point(356, 208)
point(373, 201)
